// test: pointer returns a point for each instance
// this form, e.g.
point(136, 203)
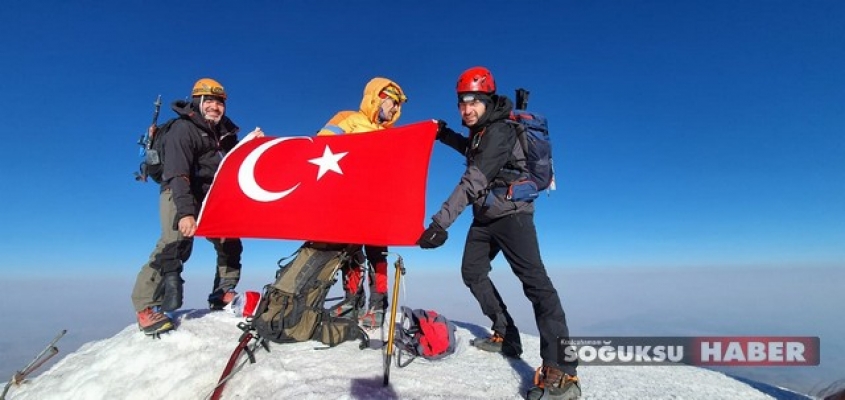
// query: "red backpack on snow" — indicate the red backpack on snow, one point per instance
point(424, 333)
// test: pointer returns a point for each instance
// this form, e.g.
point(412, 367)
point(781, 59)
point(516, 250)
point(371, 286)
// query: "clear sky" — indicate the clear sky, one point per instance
point(686, 133)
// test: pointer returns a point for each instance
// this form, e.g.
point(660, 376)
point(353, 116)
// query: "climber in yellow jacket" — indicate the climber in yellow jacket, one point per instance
point(380, 109)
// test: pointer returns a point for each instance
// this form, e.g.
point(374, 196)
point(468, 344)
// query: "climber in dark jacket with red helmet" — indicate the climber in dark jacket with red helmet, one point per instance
point(494, 160)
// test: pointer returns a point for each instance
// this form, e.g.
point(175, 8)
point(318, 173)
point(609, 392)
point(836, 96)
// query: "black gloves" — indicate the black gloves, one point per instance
point(433, 237)
point(441, 129)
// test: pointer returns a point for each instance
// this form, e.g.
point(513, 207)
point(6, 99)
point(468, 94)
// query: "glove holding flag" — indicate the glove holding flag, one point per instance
point(433, 237)
point(364, 188)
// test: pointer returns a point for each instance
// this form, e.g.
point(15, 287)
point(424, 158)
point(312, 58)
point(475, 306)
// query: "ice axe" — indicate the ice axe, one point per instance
point(45, 355)
point(146, 141)
point(388, 355)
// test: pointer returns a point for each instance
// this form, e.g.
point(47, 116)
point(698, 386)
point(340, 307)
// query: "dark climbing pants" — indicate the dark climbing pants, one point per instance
point(516, 237)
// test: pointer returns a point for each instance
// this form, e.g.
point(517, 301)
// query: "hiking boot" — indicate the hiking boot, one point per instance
point(171, 284)
point(496, 344)
point(218, 300)
point(492, 344)
point(351, 306)
point(153, 323)
point(373, 318)
point(553, 384)
point(348, 310)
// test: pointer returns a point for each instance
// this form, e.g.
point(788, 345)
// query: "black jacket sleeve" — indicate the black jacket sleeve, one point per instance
point(483, 165)
point(453, 139)
point(179, 154)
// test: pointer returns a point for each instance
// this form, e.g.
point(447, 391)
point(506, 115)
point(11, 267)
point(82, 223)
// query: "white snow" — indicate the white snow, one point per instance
point(187, 363)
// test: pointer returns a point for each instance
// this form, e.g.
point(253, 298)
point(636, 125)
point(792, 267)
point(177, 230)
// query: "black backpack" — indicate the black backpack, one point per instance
point(152, 150)
point(293, 308)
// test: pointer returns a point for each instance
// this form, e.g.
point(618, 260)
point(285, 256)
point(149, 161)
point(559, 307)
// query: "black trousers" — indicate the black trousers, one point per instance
point(516, 237)
point(228, 264)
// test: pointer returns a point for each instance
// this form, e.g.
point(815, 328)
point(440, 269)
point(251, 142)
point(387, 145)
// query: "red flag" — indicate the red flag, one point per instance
point(358, 188)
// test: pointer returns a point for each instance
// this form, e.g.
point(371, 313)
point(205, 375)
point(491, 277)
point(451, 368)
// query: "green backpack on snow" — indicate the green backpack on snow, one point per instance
point(292, 309)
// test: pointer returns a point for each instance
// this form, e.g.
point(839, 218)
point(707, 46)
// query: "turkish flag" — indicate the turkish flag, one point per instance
point(366, 188)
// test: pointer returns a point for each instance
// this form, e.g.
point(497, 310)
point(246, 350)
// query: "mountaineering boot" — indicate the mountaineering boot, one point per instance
point(153, 323)
point(347, 310)
point(223, 293)
point(351, 306)
point(218, 300)
point(171, 284)
point(512, 346)
point(492, 344)
point(553, 384)
point(505, 345)
point(373, 318)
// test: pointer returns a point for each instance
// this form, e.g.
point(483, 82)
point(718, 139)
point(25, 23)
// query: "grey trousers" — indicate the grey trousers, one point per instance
point(171, 252)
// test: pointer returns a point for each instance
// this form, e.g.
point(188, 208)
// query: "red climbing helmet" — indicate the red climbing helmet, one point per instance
point(476, 79)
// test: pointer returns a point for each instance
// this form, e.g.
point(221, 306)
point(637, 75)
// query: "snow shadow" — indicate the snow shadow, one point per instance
point(372, 388)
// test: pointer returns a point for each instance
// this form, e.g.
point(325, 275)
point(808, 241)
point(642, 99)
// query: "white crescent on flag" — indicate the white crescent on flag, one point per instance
point(246, 174)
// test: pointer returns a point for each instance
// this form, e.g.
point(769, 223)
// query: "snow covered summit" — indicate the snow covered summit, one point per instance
point(187, 363)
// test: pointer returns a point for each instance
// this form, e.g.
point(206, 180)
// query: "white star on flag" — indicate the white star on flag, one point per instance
point(328, 162)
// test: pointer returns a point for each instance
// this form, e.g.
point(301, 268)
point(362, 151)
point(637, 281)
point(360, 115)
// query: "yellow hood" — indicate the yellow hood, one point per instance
point(371, 101)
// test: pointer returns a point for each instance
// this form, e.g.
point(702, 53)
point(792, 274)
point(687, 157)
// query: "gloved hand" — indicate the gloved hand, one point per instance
point(441, 129)
point(434, 236)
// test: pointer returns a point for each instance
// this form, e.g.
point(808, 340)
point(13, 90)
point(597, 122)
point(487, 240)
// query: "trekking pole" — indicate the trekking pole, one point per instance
point(400, 270)
point(45, 355)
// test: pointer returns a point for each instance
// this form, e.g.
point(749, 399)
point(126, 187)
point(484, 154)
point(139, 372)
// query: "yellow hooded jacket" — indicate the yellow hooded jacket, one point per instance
point(365, 119)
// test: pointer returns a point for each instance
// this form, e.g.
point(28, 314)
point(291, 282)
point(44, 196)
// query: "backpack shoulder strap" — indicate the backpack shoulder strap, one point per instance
point(521, 137)
point(161, 129)
point(515, 121)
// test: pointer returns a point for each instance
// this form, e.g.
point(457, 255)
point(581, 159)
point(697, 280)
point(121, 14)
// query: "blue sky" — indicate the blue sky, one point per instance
point(685, 133)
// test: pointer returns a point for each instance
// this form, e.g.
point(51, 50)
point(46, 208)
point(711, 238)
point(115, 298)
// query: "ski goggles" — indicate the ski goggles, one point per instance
point(395, 94)
point(471, 97)
point(206, 90)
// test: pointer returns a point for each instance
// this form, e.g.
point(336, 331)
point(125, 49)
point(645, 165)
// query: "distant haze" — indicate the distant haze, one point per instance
point(612, 302)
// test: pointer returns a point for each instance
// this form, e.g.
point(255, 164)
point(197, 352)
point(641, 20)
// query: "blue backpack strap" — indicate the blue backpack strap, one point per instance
point(334, 129)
